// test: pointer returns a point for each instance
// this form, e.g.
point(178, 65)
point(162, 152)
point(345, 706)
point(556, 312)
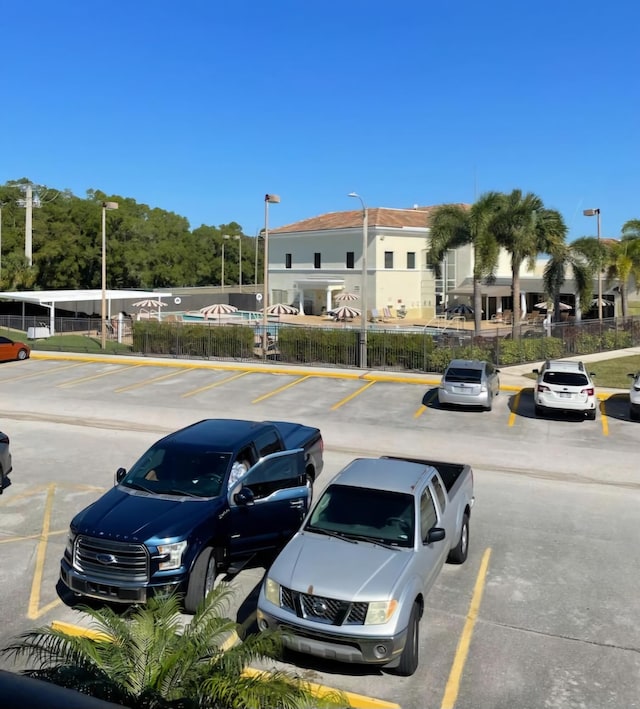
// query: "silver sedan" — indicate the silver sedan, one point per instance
point(469, 382)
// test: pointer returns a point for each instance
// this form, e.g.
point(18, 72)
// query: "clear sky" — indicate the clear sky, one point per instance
point(202, 106)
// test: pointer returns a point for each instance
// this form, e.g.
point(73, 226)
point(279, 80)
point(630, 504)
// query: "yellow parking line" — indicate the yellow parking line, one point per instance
point(214, 384)
point(79, 631)
point(82, 380)
point(453, 683)
point(352, 396)
point(603, 416)
point(34, 600)
point(423, 408)
point(42, 374)
point(152, 380)
point(282, 388)
point(514, 410)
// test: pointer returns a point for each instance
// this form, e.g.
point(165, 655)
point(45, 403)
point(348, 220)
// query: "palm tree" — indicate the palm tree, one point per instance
point(563, 257)
point(453, 225)
point(148, 658)
point(623, 261)
point(525, 228)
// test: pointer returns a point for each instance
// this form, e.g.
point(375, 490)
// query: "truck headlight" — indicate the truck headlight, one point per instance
point(171, 555)
point(272, 591)
point(379, 612)
point(71, 537)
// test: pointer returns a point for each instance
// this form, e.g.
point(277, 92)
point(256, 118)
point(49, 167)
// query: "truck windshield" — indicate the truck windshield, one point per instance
point(365, 514)
point(179, 470)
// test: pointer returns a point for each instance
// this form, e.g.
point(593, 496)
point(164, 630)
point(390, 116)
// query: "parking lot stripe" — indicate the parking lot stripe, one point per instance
point(359, 701)
point(220, 382)
point(79, 631)
point(453, 683)
point(352, 396)
point(138, 385)
point(429, 399)
point(603, 417)
point(34, 599)
point(45, 373)
point(514, 410)
point(82, 380)
point(282, 388)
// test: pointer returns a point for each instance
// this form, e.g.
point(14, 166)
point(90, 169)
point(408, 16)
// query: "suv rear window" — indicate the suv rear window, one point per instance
point(573, 379)
point(461, 374)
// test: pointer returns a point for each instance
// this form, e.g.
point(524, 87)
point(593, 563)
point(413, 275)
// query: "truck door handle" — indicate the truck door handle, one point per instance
point(297, 504)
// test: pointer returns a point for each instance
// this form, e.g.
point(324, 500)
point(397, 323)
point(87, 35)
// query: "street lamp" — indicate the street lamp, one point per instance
point(238, 238)
point(596, 213)
point(268, 199)
point(103, 311)
point(225, 237)
point(363, 288)
point(1, 206)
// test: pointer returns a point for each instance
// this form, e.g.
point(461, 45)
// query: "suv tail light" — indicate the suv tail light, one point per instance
point(589, 391)
point(542, 387)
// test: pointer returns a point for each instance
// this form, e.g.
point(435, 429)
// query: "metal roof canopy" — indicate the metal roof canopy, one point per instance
point(49, 298)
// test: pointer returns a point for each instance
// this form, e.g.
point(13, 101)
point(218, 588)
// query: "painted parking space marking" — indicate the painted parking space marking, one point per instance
point(284, 387)
point(193, 392)
point(455, 676)
point(152, 380)
point(93, 377)
point(604, 418)
point(514, 410)
point(352, 395)
point(44, 373)
point(429, 399)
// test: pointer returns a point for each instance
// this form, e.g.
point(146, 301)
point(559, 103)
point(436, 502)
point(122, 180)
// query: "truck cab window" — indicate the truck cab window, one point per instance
point(267, 443)
point(428, 516)
point(276, 474)
point(442, 500)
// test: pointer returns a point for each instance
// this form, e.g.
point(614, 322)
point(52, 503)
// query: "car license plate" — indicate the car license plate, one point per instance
point(565, 394)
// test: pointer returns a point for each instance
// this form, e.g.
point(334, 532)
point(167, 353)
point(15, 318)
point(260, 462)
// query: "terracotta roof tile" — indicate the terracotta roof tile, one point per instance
point(378, 216)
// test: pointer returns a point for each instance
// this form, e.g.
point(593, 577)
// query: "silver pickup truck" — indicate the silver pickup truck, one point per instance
point(351, 584)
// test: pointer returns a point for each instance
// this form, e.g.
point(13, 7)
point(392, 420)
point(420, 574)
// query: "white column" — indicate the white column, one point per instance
point(329, 294)
point(300, 301)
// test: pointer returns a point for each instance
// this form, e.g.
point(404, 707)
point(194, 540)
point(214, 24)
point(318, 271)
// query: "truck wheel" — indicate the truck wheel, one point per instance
point(201, 580)
point(591, 414)
point(309, 485)
point(410, 655)
point(538, 410)
point(458, 555)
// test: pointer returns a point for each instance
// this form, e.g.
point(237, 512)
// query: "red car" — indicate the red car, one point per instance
point(9, 349)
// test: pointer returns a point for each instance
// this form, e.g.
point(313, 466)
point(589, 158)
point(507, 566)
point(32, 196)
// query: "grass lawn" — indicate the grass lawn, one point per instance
point(611, 372)
point(68, 343)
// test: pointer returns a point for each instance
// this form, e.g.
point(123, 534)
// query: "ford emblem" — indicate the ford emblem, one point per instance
point(106, 559)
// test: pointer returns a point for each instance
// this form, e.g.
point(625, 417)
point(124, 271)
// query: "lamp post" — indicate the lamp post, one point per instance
point(596, 213)
point(268, 199)
point(238, 238)
point(103, 311)
point(363, 287)
point(225, 237)
point(1, 206)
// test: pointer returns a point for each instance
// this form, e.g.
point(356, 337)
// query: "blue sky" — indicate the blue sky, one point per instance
point(202, 107)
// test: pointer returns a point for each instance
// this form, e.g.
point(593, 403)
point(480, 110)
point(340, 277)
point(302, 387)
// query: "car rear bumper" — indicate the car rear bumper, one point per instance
point(547, 402)
point(455, 399)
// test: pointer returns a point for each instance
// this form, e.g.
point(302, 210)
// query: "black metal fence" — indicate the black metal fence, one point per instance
point(396, 349)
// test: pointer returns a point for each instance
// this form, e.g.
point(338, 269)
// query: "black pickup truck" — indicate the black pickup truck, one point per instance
point(186, 511)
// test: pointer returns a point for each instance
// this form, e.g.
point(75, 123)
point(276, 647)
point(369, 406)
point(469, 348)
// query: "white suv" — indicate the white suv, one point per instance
point(564, 385)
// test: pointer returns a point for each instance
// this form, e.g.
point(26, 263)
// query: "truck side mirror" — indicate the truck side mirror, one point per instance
point(244, 498)
point(435, 534)
point(120, 473)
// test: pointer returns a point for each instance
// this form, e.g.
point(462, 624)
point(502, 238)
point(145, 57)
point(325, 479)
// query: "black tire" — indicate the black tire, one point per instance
point(591, 414)
point(201, 580)
point(458, 555)
point(538, 410)
point(1, 480)
point(409, 659)
point(634, 415)
point(22, 354)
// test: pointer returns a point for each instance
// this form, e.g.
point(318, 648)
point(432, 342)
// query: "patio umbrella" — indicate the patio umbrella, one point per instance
point(461, 309)
point(346, 297)
point(281, 309)
point(217, 309)
point(149, 304)
point(549, 306)
point(346, 312)
point(605, 303)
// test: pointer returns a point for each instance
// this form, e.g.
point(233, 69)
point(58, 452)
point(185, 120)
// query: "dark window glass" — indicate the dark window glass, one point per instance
point(566, 379)
point(316, 260)
point(388, 259)
point(442, 500)
point(350, 259)
point(287, 260)
point(460, 374)
point(411, 259)
point(428, 516)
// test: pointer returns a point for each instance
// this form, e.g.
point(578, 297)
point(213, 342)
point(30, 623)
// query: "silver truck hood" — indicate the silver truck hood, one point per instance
point(334, 568)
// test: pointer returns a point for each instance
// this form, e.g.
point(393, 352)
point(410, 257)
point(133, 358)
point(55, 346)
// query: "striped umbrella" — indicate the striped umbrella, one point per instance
point(149, 305)
point(281, 309)
point(346, 297)
point(217, 309)
point(346, 312)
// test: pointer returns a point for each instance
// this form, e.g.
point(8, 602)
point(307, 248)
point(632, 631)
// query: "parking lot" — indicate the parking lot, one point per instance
point(544, 611)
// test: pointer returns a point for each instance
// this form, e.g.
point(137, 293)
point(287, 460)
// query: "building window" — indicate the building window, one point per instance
point(316, 260)
point(388, 259)
point(287, 260)
point(411, 259)
point(350, 259)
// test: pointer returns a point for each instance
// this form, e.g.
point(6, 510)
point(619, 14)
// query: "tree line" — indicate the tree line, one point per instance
point(147, 247)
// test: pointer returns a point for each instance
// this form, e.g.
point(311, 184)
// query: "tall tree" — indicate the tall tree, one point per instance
point(525, 229)
point(150, 659)
point(454, 225)
point(622, 263)
point(565, 257)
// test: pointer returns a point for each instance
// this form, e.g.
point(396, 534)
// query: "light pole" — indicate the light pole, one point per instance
point(103, 311)
point(238, 238)
point(268, 199)
point(225, 237)
point(363, 287)
point(596, 213)
point(1, 206)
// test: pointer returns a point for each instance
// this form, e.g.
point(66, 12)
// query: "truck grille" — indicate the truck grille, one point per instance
point(324, 610)
point(115, 561)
